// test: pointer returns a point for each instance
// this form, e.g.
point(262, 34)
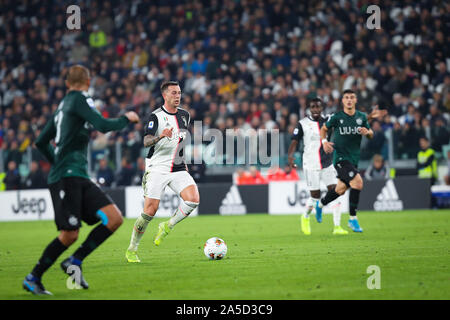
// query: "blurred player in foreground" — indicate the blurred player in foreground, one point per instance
point(75, 197)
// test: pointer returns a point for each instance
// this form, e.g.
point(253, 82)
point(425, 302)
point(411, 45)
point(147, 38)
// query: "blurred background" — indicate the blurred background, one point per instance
point(241, 64)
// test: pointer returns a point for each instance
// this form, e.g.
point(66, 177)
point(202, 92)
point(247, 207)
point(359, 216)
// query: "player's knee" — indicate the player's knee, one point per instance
point(194, 198)
point(67, 237)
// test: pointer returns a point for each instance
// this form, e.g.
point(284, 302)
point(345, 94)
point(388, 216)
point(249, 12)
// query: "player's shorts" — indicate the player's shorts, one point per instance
point(326, 175)
point(346, 171)
point(77, 199)
point(154, 183)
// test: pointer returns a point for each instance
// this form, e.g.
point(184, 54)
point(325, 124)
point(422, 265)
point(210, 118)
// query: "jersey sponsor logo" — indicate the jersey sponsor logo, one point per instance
point(232, 204)
point(388, 199)
point(349, 130)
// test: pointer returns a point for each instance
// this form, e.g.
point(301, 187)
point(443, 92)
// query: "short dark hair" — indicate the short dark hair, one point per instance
point(316, 99)
point(166, 84)
point(348, 91)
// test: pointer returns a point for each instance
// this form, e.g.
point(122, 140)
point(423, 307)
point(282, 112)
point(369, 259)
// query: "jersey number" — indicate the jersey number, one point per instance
point(58, 121)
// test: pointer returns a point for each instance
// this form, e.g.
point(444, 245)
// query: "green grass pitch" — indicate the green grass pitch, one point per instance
point(268, 258)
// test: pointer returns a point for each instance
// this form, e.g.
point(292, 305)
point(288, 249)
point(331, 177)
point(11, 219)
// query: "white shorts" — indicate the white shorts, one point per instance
point(154, 183)
point(326, 175)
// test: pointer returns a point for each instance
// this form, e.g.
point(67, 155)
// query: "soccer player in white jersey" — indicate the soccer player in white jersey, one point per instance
point(165, 166)
point(317, 165)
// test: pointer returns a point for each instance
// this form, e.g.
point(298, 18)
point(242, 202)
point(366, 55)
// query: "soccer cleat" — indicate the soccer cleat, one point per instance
point(339, 230)
point(132, 256)
point(318, 212)
point(354, 225)
point(163, 231)
point(66, 264)
point(306, 227)
point(34, 285)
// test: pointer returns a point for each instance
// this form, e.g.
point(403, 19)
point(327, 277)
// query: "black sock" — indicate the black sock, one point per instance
point(353, 201)
point(330, 196)
point(49, 256)
point(94, 239)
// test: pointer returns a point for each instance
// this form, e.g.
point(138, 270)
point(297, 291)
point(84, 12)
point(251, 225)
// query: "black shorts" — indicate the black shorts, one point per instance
point(346, 171)
point(77, 199)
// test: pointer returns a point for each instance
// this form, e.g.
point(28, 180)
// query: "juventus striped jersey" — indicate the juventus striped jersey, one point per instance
point(314, 157)
point(167, 154)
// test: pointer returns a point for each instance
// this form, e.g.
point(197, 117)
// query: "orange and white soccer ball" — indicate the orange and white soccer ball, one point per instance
point(215, 248)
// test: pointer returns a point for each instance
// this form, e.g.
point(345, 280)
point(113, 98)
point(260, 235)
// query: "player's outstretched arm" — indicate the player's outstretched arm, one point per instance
point(376, 114)
point(101, 124)
point(43, 141)
point(291, 150)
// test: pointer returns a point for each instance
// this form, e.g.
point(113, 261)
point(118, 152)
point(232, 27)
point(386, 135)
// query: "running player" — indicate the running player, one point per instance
point(349, 126)
point(75, 198)
point(165, 166)
point(317, 165)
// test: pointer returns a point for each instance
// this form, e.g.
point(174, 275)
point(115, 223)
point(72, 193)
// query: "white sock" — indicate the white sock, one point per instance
point(183, 210)
point(310, 204)
point(337, 214)
point(353, 218)
point(138, 231)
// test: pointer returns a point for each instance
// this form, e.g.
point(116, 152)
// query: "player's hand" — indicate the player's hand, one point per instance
point(292, 165)
point(167, 133)
point(377, 113)
point(363, 131)
point(132, 116)
point(328, 147)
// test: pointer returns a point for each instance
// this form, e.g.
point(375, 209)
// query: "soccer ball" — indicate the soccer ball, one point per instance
point(215, 248)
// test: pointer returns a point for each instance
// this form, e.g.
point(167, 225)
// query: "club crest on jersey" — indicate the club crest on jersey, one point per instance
point(359, 121)
point(341, 121)
point(184, 120)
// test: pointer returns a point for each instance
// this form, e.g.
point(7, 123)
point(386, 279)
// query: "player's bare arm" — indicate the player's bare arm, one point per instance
point(150, 140)
point(292, 148)
point(376, 114)
point(327, 145)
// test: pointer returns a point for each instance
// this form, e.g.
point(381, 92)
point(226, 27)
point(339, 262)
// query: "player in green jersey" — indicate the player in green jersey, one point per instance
point(75, 197)
point(349, 126)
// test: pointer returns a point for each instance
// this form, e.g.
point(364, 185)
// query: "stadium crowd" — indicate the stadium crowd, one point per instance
point(240, 64)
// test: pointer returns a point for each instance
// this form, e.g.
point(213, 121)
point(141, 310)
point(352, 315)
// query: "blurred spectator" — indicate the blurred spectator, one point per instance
point(36, 179)
point(447, 176)
point(105, 175)
point(140, 170)
point(256, 177)
point(377, 143)
point(126, 173)
point(426, 161)
point(271, 55)
point(275, 173)
point(378, 169)
point(12, 179)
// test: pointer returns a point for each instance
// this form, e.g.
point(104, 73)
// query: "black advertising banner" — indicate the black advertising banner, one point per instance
point(395, 194)
point(118, 196)
point(255, 198)
point(230, 199)
point(211, 196)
